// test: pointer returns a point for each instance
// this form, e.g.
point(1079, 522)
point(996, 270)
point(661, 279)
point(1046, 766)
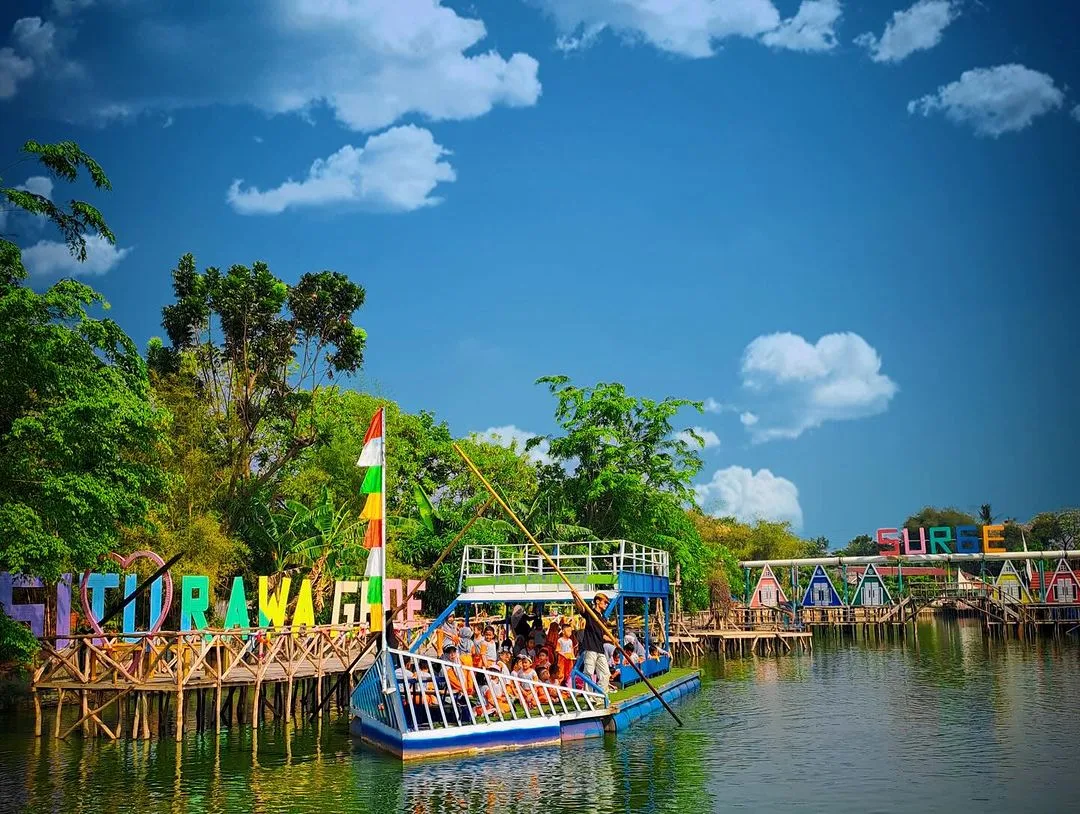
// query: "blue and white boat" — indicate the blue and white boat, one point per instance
point(414, 704)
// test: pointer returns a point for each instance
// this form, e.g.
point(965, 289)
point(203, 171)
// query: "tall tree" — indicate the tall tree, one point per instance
point(862, 546)
point(261, 350)
point(78, 457)
point(986, 515)
point(929, 517)
point(622, 471)
point(817, 547)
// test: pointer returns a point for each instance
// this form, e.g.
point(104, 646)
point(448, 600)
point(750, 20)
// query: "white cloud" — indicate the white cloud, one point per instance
point(165, 125)
point(39, 185)
point(51, 257)
point(394, 171)
point(811, 29)
point(799, 386)
point(748, 496)
point(34, 37)
point(689, 28)
point(13, 70)
point(748, 419)
point(709, 439)
point(713, 406)
point(371, 62)
point(918, 28)
point(993, 101)
point(514, 438)
point(1075, 113)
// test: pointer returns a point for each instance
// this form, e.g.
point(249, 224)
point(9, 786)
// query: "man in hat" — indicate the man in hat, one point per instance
point(592, 644)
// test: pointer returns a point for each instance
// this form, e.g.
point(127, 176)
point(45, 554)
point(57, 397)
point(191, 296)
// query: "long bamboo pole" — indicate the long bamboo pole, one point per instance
point(405, 601)
point(577, 597)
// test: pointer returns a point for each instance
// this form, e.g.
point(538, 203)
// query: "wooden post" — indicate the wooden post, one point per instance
point(179, 687)
point(59, 708)
point(37, 714)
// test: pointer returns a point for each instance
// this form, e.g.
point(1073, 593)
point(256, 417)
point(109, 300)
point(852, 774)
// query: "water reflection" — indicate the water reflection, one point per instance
point(959, 723)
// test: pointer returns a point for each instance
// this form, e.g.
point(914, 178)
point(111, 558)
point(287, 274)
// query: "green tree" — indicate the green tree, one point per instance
point(861, 546)
point(929, 517)
point(260, 353)
point(621, 470)
point(817, 547)
point(1055, 530)
point(986, 515)
point(188, 519)
point(77, 431)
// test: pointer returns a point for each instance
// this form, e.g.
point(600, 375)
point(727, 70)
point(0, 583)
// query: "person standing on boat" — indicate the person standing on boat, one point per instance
point(592, 645)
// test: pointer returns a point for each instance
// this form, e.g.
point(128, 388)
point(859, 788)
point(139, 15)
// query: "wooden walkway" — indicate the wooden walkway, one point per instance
point(115, 682)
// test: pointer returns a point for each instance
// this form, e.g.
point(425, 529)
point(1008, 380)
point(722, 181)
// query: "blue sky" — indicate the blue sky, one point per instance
point(850, 227)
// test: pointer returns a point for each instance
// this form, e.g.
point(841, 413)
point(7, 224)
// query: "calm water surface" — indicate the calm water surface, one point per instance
point(956, 724)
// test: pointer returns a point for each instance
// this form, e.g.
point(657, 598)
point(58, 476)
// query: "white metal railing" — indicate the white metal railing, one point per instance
point(578, 560)
point(434, 693)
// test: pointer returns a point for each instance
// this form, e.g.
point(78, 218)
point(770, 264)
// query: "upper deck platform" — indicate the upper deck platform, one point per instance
point(518, 571)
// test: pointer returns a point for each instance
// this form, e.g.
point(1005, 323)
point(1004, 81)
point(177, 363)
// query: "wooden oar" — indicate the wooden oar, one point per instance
point(427, 575)
point(577, 597)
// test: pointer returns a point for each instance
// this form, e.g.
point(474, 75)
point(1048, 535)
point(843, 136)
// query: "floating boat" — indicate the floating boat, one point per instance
point(414, 705)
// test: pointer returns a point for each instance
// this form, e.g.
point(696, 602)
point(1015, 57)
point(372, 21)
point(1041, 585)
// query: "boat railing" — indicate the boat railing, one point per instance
point(596, 562)
point(410, 692)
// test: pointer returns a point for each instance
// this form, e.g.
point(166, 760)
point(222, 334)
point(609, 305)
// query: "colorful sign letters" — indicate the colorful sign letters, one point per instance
point(942, 540)
point(270, 611)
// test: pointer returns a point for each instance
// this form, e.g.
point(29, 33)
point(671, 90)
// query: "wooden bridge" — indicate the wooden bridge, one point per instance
point(116, 679)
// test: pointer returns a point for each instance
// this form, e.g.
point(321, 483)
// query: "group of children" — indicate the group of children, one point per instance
point(535, 654)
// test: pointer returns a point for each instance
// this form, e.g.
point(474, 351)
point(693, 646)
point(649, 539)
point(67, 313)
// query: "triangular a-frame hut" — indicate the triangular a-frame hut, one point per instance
point(871, 591)
point(1009, 585)
point(768, 593)
point(1063, 588)
point(821, 593)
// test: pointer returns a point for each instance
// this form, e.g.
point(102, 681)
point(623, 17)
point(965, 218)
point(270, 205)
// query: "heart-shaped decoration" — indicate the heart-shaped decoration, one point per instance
point(125, 562)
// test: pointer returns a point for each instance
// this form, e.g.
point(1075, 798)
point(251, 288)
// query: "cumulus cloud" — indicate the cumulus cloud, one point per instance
point(1075, 113)
point(689, 28)
point(709, 439)
point(693, 28)
point(34, 37)
point(13, 70)
point(371, 62)
point(748, 419)
point(38, 184)
point(918, 28)
point(394, 171)
point(813, 28)
point(713, 406)
point(515, 438)
point(52, 257)
point(798, 386)
point(748, 496)
point(993, 101)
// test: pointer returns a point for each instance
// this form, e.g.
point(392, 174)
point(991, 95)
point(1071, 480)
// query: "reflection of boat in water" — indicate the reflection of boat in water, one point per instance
point(415, 705)
point(536, 782)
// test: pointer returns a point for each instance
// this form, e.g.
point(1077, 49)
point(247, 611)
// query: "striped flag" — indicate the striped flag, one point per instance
point(373, 457)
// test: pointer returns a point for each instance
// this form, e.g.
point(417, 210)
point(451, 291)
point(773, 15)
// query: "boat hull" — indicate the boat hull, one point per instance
point(520, 734)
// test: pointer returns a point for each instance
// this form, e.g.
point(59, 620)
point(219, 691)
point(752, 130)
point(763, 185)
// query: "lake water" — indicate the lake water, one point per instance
point(956, 724)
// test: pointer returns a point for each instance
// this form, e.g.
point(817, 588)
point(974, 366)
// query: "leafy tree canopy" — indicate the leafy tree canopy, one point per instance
point(929, 517)
point(77, 431)
point(259, 352)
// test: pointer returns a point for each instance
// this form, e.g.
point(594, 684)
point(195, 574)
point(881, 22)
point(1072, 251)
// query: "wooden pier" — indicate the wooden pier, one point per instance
point(205, 677)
